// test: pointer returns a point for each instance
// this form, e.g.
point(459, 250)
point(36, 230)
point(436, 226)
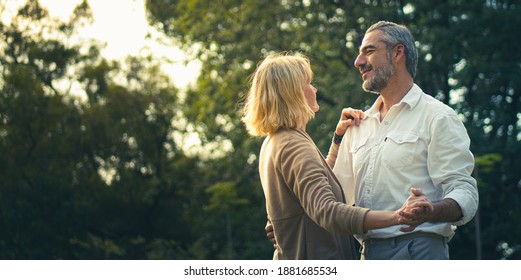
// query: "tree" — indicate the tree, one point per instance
point(90, 168)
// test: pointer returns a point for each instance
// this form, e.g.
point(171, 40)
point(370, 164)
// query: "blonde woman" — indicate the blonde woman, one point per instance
point(304, 200)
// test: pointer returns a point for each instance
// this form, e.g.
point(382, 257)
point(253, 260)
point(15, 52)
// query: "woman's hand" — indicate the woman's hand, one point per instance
point(270, 234)
point(347, 118)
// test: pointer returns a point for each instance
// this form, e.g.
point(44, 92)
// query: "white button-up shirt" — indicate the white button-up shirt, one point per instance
point(421, 143)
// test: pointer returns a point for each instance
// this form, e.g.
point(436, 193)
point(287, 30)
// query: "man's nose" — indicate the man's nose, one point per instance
point(360, 60)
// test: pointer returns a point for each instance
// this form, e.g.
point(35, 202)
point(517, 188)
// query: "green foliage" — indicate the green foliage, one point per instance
point(100, 178)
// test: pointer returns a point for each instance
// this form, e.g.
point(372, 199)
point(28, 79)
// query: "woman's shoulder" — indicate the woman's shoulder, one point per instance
point(289, 136)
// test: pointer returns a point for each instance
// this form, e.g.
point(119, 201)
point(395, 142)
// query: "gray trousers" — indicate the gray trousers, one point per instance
point(413, 246)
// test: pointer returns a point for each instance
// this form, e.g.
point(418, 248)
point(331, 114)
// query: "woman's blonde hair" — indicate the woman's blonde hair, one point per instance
point(276, 96)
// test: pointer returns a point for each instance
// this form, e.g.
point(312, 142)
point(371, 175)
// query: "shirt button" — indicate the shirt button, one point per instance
point(386, 122)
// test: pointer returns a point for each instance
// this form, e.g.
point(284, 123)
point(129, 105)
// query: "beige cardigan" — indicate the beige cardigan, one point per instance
point(305, 201)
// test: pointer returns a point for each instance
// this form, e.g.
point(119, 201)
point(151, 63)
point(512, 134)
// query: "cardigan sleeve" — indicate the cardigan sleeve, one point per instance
point(309, 179)
point(332, 154)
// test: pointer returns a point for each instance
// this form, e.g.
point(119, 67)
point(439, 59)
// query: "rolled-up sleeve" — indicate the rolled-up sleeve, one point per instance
point(450, 164)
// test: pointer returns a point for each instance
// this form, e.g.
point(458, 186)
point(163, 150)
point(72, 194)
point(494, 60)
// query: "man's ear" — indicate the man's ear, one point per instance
point(398, 52)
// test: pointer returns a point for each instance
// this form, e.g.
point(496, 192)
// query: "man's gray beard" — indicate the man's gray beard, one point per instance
point(380, 79)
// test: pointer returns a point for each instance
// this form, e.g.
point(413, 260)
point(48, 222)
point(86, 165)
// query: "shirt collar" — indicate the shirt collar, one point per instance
point(411, 99)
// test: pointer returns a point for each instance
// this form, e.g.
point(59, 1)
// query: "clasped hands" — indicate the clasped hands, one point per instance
point(416, 210)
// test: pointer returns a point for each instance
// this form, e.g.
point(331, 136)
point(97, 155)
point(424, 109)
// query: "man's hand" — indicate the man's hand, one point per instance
point(270, 234)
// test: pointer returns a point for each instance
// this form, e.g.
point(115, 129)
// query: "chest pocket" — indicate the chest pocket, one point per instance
point(399, 149)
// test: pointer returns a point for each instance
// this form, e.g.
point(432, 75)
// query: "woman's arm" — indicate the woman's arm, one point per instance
point(348, 117)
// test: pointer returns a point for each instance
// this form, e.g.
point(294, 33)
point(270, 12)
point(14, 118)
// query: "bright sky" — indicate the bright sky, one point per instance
point(122, 25)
